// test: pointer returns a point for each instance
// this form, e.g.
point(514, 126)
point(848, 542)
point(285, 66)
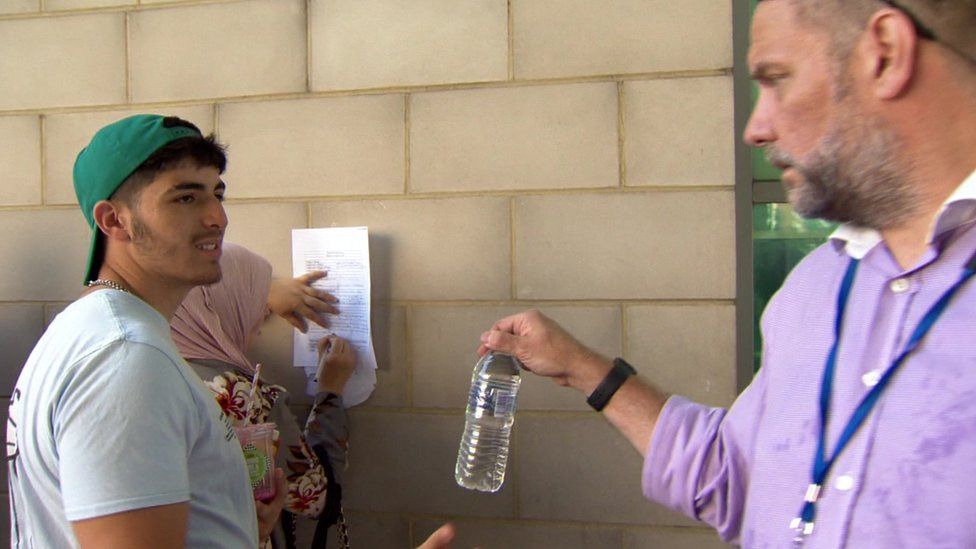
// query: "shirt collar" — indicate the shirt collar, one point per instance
point(958, 209)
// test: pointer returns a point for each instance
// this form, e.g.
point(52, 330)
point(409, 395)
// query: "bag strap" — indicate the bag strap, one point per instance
point(332, 513)
point(288, 527)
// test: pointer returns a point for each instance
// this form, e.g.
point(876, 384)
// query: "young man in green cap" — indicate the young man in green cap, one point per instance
point(113, 440)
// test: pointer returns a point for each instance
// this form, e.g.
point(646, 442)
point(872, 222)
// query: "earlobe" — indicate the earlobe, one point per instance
point(892, 48)
point(110, 219)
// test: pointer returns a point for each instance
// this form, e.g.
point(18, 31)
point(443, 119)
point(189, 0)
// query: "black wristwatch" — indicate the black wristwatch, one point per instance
point(606, 389)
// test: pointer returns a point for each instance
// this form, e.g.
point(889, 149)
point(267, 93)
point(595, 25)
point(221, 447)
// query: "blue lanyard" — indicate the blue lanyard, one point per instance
point(803, 525)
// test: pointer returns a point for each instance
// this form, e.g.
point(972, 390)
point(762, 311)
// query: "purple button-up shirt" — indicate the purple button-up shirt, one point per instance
point(908, 476)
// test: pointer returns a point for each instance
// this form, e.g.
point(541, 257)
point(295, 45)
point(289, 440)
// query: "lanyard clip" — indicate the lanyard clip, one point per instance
point(802, 525)
point(802, 529)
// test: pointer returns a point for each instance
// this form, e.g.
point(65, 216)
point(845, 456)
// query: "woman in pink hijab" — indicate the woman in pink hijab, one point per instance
point(213, 328)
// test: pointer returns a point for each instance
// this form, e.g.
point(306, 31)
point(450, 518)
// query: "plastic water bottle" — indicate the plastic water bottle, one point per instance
point(489, 417)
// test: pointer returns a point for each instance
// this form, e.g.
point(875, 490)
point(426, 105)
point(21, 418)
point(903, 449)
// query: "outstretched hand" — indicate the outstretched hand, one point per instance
point(440, 539)
point(546, 349)
point(295, 300)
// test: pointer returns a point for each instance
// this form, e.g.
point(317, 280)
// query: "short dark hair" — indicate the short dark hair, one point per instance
point(202, 151)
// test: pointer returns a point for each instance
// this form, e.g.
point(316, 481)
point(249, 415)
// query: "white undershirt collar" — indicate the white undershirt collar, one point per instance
point(958, 209)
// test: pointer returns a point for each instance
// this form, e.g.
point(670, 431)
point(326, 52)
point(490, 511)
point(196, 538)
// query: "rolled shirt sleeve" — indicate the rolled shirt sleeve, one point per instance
point(699, 459)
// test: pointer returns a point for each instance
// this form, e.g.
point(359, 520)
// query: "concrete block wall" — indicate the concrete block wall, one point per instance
point(570, 155)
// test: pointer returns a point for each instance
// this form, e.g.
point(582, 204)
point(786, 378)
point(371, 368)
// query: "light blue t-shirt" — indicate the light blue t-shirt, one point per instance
point(106, 417)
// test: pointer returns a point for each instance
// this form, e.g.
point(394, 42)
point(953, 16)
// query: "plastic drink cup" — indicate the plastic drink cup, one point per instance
point(257, 442)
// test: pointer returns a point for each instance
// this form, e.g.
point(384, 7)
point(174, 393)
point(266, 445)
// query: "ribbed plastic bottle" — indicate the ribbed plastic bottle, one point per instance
point(489, 417)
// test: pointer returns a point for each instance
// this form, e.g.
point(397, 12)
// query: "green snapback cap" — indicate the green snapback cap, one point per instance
point(115, 152)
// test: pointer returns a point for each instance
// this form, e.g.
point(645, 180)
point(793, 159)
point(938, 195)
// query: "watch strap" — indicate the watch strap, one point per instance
point(600, 396)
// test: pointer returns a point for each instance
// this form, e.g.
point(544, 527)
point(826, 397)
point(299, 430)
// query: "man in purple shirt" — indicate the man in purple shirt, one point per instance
point(860, 428)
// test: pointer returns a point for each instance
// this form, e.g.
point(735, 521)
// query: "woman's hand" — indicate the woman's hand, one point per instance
point(295, 300)
point(337, 361)
point(268, 513)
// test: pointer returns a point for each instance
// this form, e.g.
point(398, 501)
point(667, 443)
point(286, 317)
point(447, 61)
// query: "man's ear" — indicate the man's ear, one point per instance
point(891, 52)
point(112, 219)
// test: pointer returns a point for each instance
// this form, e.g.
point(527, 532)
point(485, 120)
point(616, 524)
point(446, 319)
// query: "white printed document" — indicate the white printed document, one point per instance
point(343, 252)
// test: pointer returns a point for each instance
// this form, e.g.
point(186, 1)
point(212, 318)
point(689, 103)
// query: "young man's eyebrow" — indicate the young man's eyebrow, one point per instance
point(196, 186)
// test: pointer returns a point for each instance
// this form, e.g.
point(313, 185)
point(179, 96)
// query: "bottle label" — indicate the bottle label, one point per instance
point(504, 403)
point(493, 401)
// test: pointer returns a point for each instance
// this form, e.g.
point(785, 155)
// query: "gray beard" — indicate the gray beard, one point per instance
point(852, 176)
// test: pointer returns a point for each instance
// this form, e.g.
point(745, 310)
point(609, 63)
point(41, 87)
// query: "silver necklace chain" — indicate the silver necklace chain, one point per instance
point(108, 284)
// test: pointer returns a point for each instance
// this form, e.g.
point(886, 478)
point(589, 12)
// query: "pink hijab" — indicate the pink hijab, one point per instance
point(215, 322)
